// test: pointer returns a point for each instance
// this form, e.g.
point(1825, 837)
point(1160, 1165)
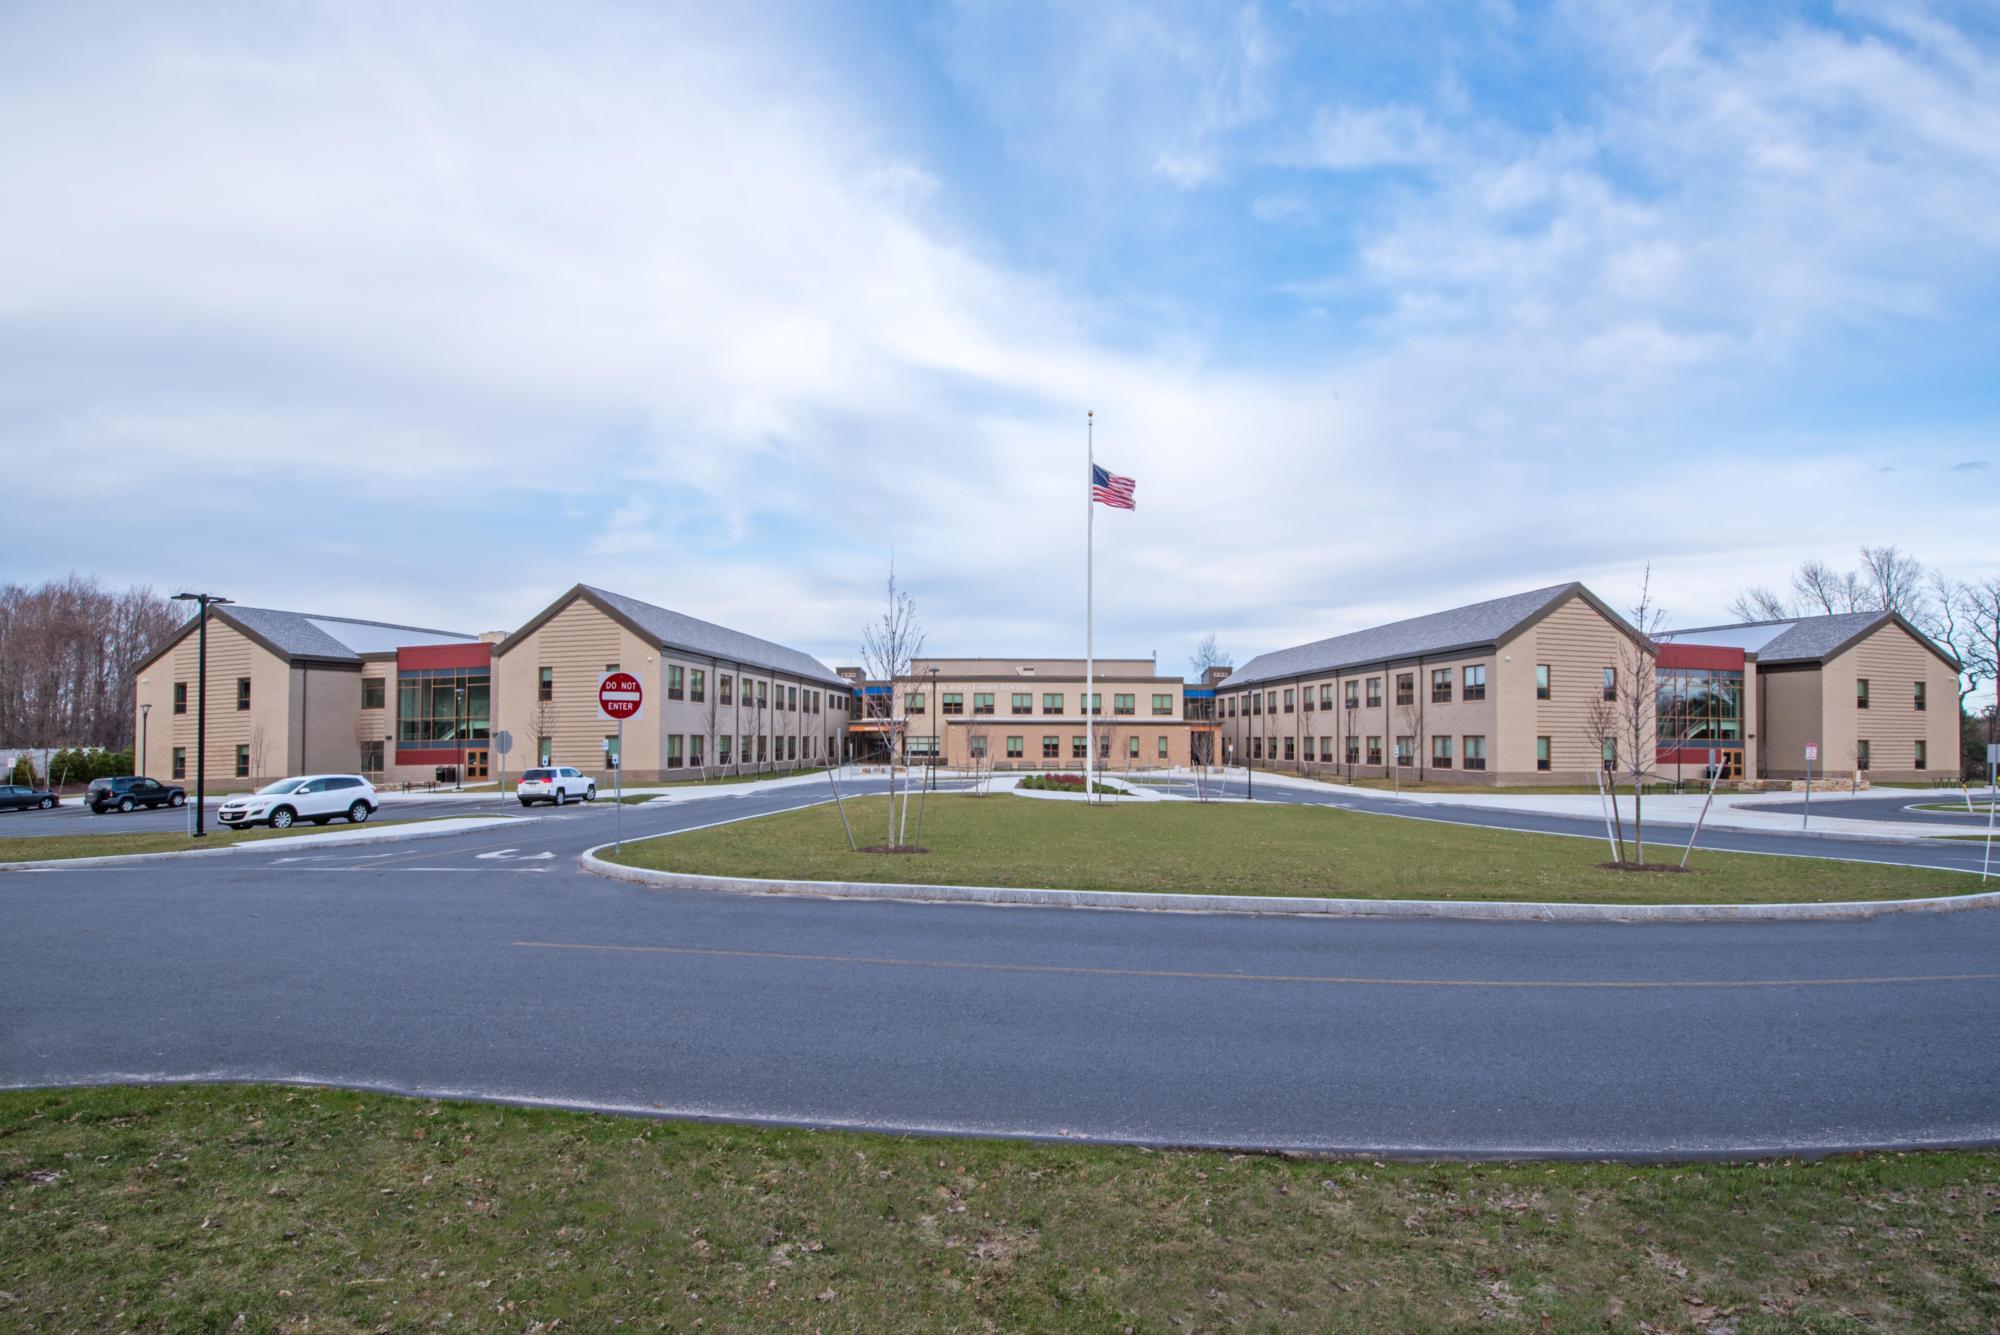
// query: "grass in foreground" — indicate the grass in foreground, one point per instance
point(265, 1209)
point(1237, 849)
point(66, 846)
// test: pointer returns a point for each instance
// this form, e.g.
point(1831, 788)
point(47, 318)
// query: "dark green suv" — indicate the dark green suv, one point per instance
point(131, 791)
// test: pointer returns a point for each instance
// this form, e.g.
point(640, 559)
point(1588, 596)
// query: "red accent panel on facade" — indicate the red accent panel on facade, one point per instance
point(434, 755)
point(1701, 656)
point(1696, 755)
point(417, 657)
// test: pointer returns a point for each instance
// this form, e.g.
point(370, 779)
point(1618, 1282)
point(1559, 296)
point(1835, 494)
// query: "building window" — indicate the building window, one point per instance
point(763, 700)
point(180, 697)
point(976, 746)
point(1326, 695)
point(1541, 753)
point(1860, 693)
point(1132, 748)
point(1014, 747)
point(694, 750)
point(242, 692)
point(1326, 748)
point(546, 688)
point(792, 701)
point(545, 751)
point(1163, 749)
point(442, 707)
point(791, 748)
point(180, 762)
point(1374, 750)
point(1861, 755)
point(1353, 751)
point(1923, 755)
point(983, 703)
point(698, 686)
point(722, 691)
point(1354, 695)
point(913, 702)
point(1610, 753)
point(614, 754)
point(1270, 702)
point(1306, 698)
point(1079, 747)
point(1611, 683)
point(371, 758)
point(1163, 706)
point(763, 749)
point(374, 692)
point(1406, 751)
point(1541, 681)
point(1406, 688)
point(1475, 753)
point(1256, 748)
point(1257, 702)
point(1096, 702)
point(954, 702)
point(1288, 699)
point(722, 749)
point(242, 761)
point(1441, 686)
point(1052, 703)
point(1920, 698)
point(1052, 748)
point(676, 682)
point(1125, 704)
point(1290, 749)
point(1375, 694)
point(1475, 683)
point(1024, 702)
point(1440, 753)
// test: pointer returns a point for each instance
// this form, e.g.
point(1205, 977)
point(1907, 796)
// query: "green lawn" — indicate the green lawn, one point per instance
point(262, 1209)
point(1244, 849)
point(66, 846)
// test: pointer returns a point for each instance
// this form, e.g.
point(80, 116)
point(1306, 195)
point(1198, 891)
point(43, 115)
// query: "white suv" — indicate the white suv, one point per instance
point(314, 797)
point(557, 784)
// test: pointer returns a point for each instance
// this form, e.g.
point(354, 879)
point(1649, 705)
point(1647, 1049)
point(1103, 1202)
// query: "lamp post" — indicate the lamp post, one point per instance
point(458, 730)
point(932, 782)
point(202, 602)
point(144, 709)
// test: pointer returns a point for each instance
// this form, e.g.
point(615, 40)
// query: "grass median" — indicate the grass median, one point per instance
point(266, 1209)
point(64, 847)
point(1250, 849)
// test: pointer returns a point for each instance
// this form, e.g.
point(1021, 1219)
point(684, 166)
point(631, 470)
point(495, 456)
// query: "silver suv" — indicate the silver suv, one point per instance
point(314, 797)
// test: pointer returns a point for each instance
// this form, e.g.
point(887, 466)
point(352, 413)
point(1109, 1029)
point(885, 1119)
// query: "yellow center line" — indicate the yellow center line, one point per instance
point(1333, 980)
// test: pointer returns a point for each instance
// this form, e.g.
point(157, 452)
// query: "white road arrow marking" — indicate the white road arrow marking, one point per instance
point(507, 855)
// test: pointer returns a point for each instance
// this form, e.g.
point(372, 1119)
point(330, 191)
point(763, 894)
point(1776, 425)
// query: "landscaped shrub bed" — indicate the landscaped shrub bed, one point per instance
point(1062, 783)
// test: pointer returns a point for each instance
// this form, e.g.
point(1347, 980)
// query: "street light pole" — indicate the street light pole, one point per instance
point(202, 602)
point(458, 730)
point(932, 783)
point(144, 710)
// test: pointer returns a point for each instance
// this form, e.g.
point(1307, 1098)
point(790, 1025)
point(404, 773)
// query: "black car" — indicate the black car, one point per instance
point(15, 797)
point(131, 791)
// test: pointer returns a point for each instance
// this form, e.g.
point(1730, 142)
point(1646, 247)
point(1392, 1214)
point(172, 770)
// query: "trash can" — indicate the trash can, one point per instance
point(447, 774)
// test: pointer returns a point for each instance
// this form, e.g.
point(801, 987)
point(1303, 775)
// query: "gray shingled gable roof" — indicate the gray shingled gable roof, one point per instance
point(1465, 627)
point(1813, 639)
point(676, 630)
point(309, 635)
point(300, 635)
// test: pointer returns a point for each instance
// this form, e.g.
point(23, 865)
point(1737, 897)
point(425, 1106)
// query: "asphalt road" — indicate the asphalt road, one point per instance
point(72, 817)
point(1901, 808)
point(483, 964)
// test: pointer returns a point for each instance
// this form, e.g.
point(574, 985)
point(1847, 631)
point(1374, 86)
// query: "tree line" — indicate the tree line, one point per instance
point(69, 650)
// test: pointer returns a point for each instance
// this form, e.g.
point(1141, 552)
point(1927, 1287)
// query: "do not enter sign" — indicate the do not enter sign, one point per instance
point(619, 696)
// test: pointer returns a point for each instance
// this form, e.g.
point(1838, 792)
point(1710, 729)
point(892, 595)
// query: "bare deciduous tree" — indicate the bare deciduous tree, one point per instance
point(1208, 653)
point(1627, 713)
point(541, 727)
point(887, 646)
point(69, 652)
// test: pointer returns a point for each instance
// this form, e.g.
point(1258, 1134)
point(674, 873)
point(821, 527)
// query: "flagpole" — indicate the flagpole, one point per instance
point(1089, 599)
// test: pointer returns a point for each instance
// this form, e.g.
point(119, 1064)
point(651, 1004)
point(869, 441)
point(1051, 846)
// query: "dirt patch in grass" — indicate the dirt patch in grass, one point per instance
point(261, 1209)
point(1254, 849)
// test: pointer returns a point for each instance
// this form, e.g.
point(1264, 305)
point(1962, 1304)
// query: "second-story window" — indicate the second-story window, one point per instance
point(1860, 693)
point(1024, 702)
point(1163, 704)
point(913, 702)
point(722, 685)
point(954, 702)
point(1920, 698)
point(545, 687)
point(1406, 688)
point(1052, 702)
point(1541, 681)
point(982, 702)
point(676, 683)
point(1124, 704)
point(698, 686)
point(1374, 700)
point(1611, 683)
point(1288, 699)
point(1475, 684)
point(1441, 686)
point(242, 692)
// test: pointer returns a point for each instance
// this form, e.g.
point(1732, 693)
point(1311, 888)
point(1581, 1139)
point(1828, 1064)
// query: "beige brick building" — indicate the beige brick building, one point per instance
point(1028, 713)
point(1868, 689)
point(1494, 692)
point(718, 701)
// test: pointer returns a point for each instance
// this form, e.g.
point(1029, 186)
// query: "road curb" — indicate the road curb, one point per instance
point(1470, 910)
point(388, 834)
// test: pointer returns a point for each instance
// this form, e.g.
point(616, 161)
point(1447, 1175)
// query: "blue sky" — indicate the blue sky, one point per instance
point(428, 311)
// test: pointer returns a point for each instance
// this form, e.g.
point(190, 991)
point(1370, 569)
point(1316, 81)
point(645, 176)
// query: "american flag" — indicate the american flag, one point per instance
point(1107, 488)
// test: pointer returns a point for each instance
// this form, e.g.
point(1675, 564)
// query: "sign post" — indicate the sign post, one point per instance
point(1812, 754)
point(1992, 804)
point(503, 742)
point(619, 697)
